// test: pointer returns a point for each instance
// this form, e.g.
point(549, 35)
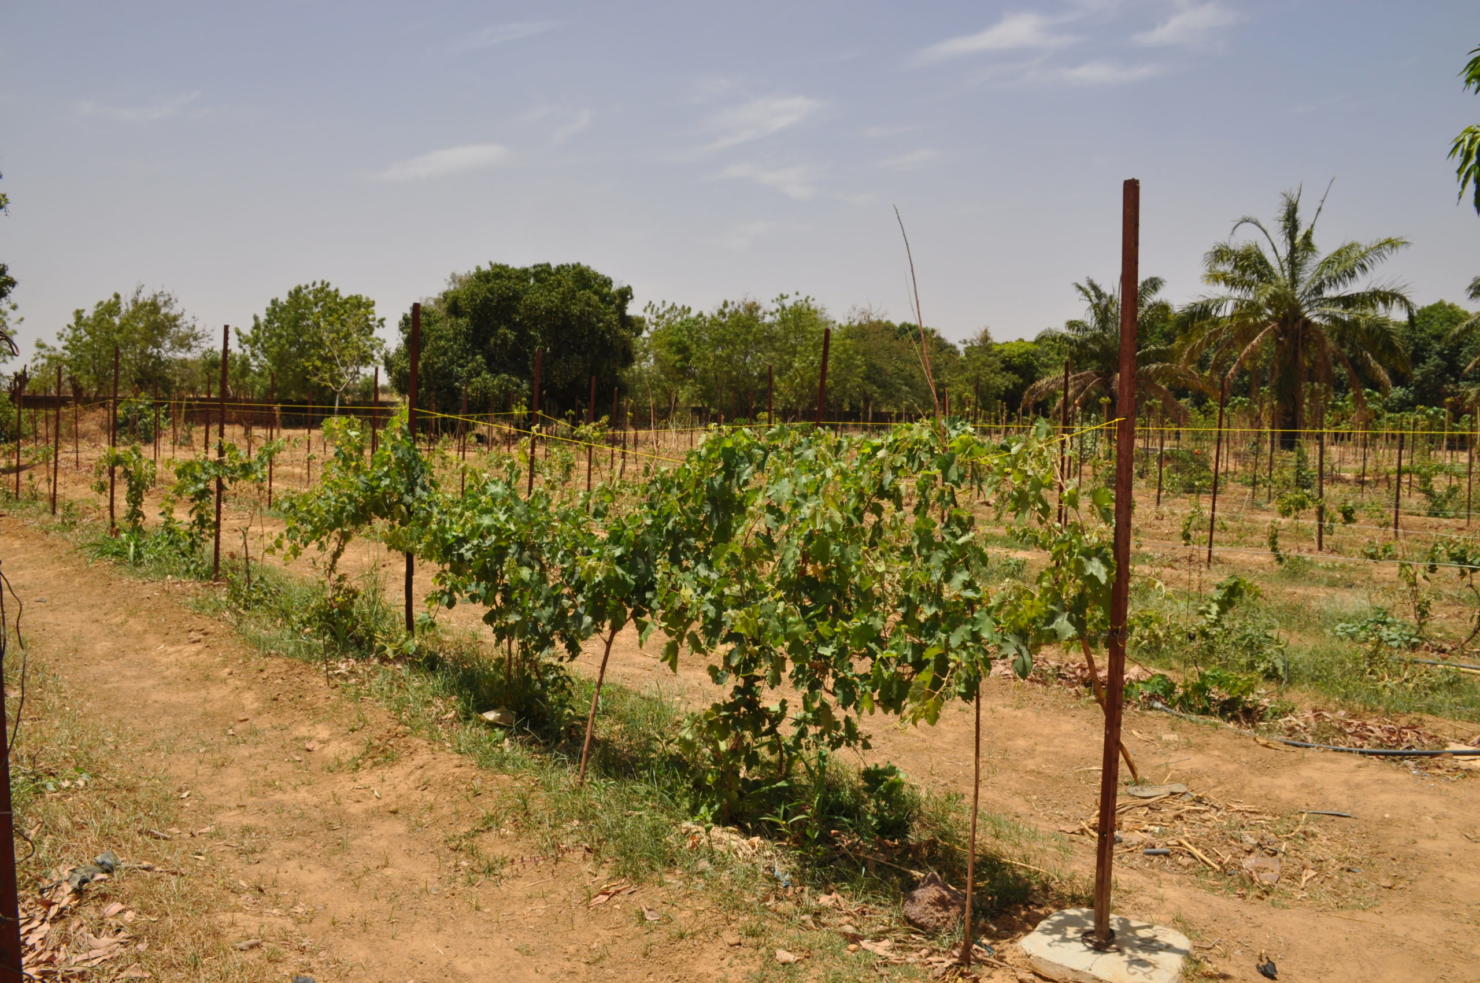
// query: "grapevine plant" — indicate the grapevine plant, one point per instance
point(818, 578)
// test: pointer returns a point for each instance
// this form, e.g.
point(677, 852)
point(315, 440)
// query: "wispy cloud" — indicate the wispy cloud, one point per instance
point(744, 235)
point(578, 122)
point(911, 160)
point(497, 34)
point(1103, 73)
point(797, 181)
point(708, 88)
point(148, 113)
point(446, 162)
point(757, 119)
point(1192, 24)
point(1014, 32)
point(879, 132)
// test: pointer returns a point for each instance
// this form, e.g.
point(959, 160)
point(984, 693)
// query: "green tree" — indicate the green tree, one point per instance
point(892, 378)
point(1025, 361)
point(314, 342)
point(480, 334)
point(1466, 147)
point(1312, 314)
point(1092, 346)
point(1438, 352)
point(8, 318)
point(723, 359)
point(150, 331)
point(981, 377)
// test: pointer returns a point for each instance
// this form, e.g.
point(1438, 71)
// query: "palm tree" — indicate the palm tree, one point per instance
point(1466, 146)
point(1308, 313)
point(1471, 323)
point(1093, 349)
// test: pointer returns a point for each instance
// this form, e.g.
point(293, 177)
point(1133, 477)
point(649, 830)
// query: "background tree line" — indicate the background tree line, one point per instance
point(1280, 316)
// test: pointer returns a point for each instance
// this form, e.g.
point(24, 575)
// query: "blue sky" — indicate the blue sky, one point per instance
point(702, 151)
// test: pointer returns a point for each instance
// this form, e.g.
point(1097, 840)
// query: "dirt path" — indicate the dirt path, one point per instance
point(329, 829)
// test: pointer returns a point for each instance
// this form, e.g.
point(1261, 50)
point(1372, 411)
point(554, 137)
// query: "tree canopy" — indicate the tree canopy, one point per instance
point(1307, 314)
point(1091, 345)
point(1465, 150)
point(313, 344)
point(8, 320)
point(479, 336)
point(150, 330)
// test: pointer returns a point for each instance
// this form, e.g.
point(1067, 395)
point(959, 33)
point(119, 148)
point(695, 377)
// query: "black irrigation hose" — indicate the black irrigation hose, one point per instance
point(1377, 752)
point(1447, 665)
point(1384, 752)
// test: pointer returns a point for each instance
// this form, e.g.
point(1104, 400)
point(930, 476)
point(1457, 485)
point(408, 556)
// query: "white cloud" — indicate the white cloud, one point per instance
point(1104, 73)
point(497, 34)
point(572, 126)
point(758, 118)
point(744, 235)
point(445, 162)
point(711, 87)
point(1013, 32)
point(879, 132)
point(911, 160)
point(797, 181)
point(1190, 25)
point(139, 114)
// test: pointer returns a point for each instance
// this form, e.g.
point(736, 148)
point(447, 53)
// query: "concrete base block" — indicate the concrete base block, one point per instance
point(1142, 953)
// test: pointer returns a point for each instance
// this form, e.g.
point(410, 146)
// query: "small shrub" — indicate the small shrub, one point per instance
point(136, 421)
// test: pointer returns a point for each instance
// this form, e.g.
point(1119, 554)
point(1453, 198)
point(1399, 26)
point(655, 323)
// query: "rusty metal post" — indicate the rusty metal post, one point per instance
point(112, 443)
point(375, 411)
point(1217, 466)
point(274, 429)
point(56, 442)
point(770, 395)
point(622, 472)
point(1161, 453)
point(156, 424)
point(612, 424)
point(220, 449)
point(1120, 590)
point(1321, 483)
point(822, 375)
point(534, 414)
point(20, 425)
point(590, 436)
point(1398, 484)
point(76, 432)
point(462, 443)
point(1063, 441)
point(1469, 473)
point(412, 387)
